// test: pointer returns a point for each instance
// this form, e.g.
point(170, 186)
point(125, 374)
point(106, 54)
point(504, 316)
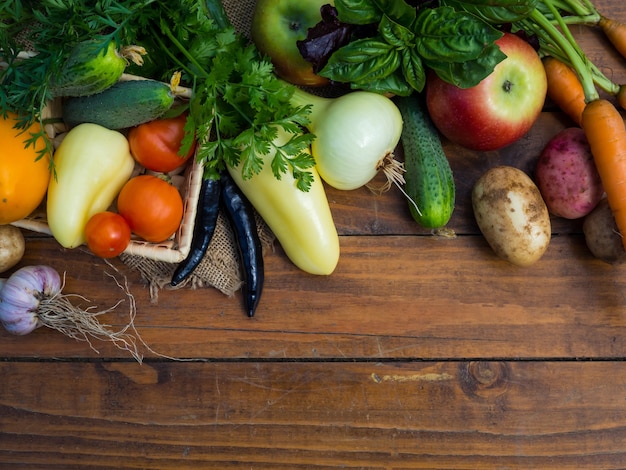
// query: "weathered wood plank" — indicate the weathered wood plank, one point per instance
point(391, 297)
point(313, 415)
point(417, 352)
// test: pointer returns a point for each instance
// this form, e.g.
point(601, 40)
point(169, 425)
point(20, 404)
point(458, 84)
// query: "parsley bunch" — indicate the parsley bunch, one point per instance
point(237, 101)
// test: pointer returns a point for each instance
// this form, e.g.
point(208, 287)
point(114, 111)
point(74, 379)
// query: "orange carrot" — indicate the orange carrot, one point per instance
point(564, 88)
point(621, 96)
point(606, 133)
point(615, 31)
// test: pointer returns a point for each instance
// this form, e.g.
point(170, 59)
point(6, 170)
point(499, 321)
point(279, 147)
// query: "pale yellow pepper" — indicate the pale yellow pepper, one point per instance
point(90, 167)
point(301, 221)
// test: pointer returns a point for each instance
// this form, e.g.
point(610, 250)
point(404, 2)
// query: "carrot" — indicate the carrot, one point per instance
point(602, 122)
point(621, 96)
point(564, 88)
point(606, 133)
point(615, 31)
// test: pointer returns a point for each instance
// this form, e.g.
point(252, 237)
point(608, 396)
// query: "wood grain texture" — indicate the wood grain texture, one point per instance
point(391, 297)
point(277, 415)
point(418, 352)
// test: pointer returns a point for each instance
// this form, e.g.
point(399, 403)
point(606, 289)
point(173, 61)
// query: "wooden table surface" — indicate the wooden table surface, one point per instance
point(418, 352)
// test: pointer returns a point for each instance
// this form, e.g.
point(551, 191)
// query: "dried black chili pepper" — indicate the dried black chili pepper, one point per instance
point(204, 227)
point(241, 215)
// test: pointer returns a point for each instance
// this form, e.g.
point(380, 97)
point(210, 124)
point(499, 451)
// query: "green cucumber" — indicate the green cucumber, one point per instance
point(90, 68)
point(428, 176)
point(125, 104)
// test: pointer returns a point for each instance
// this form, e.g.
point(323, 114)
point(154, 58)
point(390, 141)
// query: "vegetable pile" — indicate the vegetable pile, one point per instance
point(390, 46)
point(237, 98)
point(201, 90)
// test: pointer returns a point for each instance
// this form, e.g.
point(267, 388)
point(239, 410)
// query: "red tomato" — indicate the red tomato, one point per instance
point(107, 234)
point(152, 207)
point(155, 144)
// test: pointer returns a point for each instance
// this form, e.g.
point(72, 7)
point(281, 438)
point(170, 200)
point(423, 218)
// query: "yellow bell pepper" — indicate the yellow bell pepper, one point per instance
point(301, 221)
point(91, 166)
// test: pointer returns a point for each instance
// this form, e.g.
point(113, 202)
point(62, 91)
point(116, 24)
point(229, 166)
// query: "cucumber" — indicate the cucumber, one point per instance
point(429, 179)
point(125, 104)
point(90, 68)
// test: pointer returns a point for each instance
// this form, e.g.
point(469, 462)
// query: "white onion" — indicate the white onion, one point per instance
point(355, 137)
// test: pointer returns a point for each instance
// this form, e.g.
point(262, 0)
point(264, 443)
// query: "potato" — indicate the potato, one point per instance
point(567, 176)
point(12, 247)
point(512, 215)
point(602, 236)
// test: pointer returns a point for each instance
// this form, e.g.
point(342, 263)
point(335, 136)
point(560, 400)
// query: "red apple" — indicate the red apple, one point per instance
point(276, 26)
point(500, 109)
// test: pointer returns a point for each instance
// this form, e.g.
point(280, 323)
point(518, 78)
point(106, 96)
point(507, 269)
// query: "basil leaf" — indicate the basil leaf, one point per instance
point(362, 12)
point(495, 11)
point(400, 11)
point(444, 34)
point(394, 84)
point(395, 34)
point(363, 59)
point(359, 12)
point(413, 69)
point(470, 73)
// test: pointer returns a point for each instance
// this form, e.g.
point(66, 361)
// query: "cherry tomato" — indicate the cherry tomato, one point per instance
point(107, 234)
point(155, 144)
point(23, 176)
point(152, 207)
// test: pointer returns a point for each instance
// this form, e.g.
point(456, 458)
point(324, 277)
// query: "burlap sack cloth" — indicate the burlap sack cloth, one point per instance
point(220, 266)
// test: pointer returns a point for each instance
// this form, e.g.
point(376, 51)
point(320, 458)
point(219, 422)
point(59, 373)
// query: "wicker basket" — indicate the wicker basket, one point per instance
point(189, 181)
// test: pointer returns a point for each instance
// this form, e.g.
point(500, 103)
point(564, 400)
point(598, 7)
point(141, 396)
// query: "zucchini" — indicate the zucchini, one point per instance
point(91, 68)
point(428, 176)
point(125, 104)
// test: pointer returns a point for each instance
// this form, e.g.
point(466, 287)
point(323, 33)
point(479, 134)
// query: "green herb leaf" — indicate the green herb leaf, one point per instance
point(359, 12)
point(413, 70)
point(395, 34)
point(472, 72)
point(444, 34)
point(400, 11)
point(362, 60)
point(456, 44)
point(495, 11)
point(394, 83)
point(294, 155)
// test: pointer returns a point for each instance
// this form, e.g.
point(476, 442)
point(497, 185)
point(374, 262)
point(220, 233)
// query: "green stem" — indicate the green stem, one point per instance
point(169, 53)
point(216, 12)
point(585, 20)
point(198, 67)
point(183, 51)
point(546, 29)
point(599, 78)
point(575, 11)
point(574, 7)
point(585, 5)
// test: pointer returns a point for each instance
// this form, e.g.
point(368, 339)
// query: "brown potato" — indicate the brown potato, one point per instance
point(602, 236)
point(12, 247)
point(512, 215)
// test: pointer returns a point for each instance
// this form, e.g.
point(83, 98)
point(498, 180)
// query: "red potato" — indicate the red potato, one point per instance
point(566, 175)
